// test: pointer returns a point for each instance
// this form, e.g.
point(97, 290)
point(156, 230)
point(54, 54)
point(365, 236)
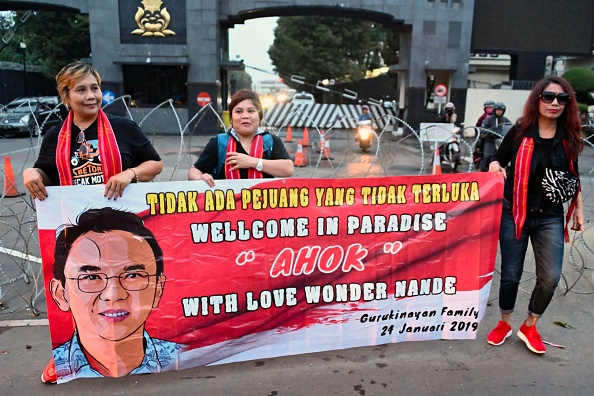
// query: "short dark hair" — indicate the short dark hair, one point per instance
point(244, 94)
point(101, 221)
point(71, 74)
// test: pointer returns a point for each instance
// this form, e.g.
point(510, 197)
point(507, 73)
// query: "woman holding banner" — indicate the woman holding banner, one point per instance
point(246, 151)
point(541, 156)
point(89, 147)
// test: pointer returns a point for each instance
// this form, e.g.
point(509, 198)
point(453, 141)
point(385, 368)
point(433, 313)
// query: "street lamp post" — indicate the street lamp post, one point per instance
point(24, 48)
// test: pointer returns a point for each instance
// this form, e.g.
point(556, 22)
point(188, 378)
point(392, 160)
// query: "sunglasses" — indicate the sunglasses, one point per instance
point(549, 97)
point(81, 139)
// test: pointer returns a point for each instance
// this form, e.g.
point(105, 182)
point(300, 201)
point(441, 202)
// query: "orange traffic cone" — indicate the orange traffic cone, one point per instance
point(326, 150)
point(10, 189)
point(436, 163)
point(300, 160)
point(289, 137)
point(322, 140)
point(305, 137)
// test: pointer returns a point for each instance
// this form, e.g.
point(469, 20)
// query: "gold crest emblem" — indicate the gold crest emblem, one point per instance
point(152, 20)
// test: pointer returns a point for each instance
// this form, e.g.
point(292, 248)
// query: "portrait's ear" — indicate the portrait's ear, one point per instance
point(159, 290)
point(59, 295)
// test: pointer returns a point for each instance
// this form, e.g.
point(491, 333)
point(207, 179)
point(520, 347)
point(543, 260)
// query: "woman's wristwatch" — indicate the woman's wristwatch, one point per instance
point(260, 166)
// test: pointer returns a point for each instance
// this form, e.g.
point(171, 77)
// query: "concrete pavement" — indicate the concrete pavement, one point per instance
point(423, 368)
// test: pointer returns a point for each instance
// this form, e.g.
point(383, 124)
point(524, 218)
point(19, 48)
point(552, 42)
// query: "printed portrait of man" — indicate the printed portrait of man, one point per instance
point(108, 273)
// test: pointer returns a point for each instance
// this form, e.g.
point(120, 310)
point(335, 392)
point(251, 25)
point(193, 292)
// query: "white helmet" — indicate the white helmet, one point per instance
point(449, 105)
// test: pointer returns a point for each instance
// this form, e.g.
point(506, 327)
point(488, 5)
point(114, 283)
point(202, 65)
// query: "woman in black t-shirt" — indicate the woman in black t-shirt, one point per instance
point(248, 152)
point(546, 139)
point(90, 147)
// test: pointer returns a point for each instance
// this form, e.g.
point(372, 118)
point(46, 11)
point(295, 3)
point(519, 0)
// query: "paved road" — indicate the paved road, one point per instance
point(419, 368)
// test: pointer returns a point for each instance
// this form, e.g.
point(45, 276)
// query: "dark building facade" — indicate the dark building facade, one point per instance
point(153, 50)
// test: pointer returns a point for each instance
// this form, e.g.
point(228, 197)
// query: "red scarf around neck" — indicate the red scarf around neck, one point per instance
point(256, 150)
point(521, 177)
point(111, 160)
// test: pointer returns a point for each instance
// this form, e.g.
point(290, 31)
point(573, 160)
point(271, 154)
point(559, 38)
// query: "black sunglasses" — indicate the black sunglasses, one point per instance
point(549, 97)
point(81, 139)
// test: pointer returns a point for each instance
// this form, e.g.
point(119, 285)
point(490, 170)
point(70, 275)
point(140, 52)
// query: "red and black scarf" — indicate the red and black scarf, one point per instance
point(521, 177)
point(256, 150)
point(111, 160)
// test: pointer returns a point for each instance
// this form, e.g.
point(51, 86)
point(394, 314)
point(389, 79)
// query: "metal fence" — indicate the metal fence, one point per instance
point(397, 151)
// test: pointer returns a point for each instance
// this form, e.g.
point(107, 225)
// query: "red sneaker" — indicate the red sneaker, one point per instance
point(498, 335)
point(532, 339)
point(49, 373)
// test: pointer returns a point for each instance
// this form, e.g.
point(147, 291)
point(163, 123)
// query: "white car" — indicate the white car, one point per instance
point(303, 98)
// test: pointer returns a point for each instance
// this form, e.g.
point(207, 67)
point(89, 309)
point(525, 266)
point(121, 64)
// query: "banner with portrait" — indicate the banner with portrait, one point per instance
point(175, 275)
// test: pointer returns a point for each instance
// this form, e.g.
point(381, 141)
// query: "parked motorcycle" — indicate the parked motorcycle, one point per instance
point(450, 151)
point(487, 144)
point(364, 133)
point(387, 103)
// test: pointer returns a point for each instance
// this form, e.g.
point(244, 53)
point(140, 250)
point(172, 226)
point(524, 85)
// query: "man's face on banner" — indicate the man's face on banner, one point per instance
point(111, 284)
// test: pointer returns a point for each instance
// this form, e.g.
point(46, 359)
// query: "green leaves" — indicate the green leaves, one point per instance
point(562, 324)
point(53, 39)
point(330, 48)
point(582, 82)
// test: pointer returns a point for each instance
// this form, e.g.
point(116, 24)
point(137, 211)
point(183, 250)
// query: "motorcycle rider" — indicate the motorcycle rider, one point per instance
point(488, 110)
point(493, 129)
point(477, 154)
point(449, 115)
point(365, 115)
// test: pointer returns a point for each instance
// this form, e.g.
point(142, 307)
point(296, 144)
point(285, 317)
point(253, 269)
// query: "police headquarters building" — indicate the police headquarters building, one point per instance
point(156, 50)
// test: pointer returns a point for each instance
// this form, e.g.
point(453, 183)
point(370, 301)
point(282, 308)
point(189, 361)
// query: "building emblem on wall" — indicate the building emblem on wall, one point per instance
point(152, 20)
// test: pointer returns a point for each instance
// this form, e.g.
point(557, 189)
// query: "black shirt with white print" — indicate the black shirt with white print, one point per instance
point(134, 146)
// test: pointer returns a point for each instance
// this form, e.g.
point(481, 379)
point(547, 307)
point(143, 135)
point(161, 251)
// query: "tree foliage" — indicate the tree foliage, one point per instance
point(386, 46)
point(239, 79)
point(580, 78)
point(322, 47)
point(10, 52)
point(53, 39)
point(582, 82)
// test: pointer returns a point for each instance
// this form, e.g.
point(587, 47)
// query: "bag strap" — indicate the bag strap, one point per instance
point(573, 202)
point(223, 140)
point(268, 143)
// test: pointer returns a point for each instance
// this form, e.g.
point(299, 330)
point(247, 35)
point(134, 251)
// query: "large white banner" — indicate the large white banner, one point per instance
point(175, 275)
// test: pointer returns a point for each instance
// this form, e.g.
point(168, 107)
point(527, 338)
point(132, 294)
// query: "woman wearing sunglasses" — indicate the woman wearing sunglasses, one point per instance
point(541, 155)
point(90, 147)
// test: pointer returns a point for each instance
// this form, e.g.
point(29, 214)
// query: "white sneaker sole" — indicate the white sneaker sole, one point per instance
point(48, 382)
point(523, 338)
point(509, 333)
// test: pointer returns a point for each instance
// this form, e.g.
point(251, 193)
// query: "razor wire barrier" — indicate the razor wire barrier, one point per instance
point(395, 152)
